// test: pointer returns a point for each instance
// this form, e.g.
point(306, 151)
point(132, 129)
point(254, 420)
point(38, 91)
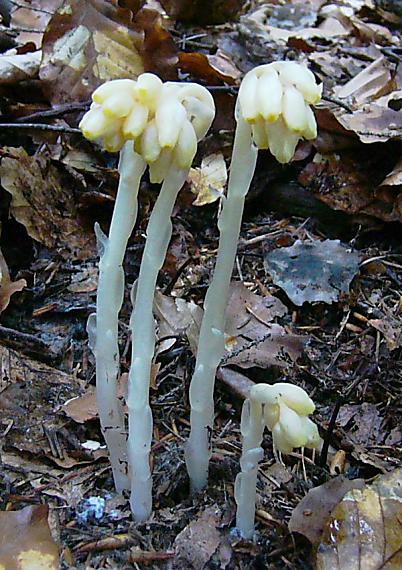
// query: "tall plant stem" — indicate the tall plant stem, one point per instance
point(103, 326)
point(159, 232)
point(211, 345)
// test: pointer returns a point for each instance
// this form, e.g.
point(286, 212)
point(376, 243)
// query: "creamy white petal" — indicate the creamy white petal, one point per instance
point(302, 78)
point(159, 168)
point(294, 110)
point(291, 426)
point(259, 134)
point(94, 123)
point(199, 114)
point(118, 105)
point(310, 131)
point(186, 146)
point(136, 122)
point(111, 87)
point(311, 434)
point(295, 398)
point(150, 147)
point(271, 415)
point(269, 96)
point(279, 440)
point(169, 117)
point(282, 142)
point(114, 142)
point(248, 97)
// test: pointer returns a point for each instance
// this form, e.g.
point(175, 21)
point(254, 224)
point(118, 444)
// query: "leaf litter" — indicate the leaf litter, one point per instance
point(343, 188)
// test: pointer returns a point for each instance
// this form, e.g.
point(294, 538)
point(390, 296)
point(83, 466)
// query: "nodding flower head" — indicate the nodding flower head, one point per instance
point(164, 120)
point(286, 411)
point(275, 99)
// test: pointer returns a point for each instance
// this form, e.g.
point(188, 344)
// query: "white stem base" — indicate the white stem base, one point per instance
point(159, 232)
point(104, 330)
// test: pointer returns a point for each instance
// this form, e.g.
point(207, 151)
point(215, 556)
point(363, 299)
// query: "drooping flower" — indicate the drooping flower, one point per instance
point(275, 99)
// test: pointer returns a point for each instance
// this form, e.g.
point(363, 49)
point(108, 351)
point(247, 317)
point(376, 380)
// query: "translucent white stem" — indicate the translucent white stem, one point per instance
point(211, 345)
point(143, 345)
point(252, 427)
point(103, 327)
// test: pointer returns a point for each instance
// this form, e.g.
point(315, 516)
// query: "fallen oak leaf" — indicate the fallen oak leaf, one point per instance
point(311, 515)
point(364, 529)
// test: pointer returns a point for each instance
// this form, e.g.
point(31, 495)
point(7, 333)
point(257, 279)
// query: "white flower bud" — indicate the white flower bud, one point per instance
point(186, 146)
point(277, 95)
point(294, 110)
point(248, 97)
point(110, 88)
point(282, 142)
point(169, 117)
point(269, 96)
point(150, 147)
point(136, 121)
point(302, 78)
point(117, 105)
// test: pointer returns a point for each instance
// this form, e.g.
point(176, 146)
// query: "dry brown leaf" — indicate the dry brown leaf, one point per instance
point(8, 287)
point(88, 43)
point(214, 69)
point(43, 205)
point(343, 182)
point(19, 67)
point(252, 336)
point(364, 423)
point(311, 515)
point(391, 330)
point(25, 540)
point(208, 182)
point(364, 529)
point(30, 18)
point(198, 542)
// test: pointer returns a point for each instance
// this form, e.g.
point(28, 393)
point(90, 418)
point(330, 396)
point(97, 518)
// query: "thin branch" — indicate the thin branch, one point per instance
point(40, 127)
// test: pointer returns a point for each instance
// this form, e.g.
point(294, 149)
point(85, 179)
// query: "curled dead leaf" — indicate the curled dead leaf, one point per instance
point(208, 182)
point(8, 287)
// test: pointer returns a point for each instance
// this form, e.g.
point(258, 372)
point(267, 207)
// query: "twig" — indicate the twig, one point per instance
point(57, 111)
point(40, 127)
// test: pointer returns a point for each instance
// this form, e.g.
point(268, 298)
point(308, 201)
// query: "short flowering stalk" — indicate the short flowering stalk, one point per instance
point(272, 112)
point(284, 410)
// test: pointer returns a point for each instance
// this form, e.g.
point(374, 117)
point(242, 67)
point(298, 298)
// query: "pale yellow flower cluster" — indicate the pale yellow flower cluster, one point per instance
point(275, 99)
point(165, 120)
point(286, 411)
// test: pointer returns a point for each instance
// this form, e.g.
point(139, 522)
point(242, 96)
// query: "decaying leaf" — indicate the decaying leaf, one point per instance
point(25, 540)
point(88, 43)
point(176, 317)
point(8, 287)
point(343, 182)
point(208, 182)
point(19, 67)
point(364, 529)
point(201, 540)
point(30, 18)
point(42, 204)
point(364, 423)
point(311, 515)
point(313, 271)
point(252, 336)
point(390, 327)
point(31, 396)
